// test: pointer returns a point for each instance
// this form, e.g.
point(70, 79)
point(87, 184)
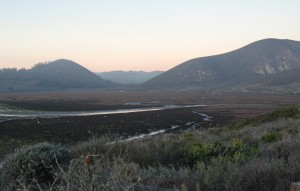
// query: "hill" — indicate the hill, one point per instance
point(254, 64)
point(59, 74)
point(66, 74)
point(129, 77)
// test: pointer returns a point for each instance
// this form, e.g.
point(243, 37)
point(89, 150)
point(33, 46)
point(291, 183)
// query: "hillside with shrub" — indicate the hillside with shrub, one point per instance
point(260, 153)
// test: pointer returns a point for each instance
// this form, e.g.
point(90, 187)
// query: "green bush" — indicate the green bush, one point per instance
point(235, 151)
point(271, 137)
point(33, 165)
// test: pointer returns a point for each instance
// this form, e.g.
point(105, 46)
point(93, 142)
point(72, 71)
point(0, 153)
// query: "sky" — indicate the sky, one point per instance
point(143, 35)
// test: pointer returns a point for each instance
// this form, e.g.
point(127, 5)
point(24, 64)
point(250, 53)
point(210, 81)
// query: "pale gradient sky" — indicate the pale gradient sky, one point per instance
point(137, 34)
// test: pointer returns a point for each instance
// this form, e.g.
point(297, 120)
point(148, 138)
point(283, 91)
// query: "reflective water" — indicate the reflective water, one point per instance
point(8, 113)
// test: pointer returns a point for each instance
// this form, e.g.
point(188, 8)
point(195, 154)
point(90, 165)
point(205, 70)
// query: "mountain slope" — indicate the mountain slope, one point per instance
point(235, 69)
point(284, 78)
point(130, 77)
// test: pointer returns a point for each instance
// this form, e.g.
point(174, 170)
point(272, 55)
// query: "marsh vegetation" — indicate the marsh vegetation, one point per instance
point(260, 153)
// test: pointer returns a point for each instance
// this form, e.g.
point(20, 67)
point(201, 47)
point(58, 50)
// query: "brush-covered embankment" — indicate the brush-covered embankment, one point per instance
point(260, 153)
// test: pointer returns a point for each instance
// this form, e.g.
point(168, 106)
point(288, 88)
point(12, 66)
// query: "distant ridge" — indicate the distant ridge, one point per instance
point(129, 77)
point(258, 63)
point(59, 74)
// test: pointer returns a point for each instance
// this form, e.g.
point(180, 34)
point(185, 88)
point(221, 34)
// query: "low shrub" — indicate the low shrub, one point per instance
point(33, 166)
point(261, 174)
point(271, 137)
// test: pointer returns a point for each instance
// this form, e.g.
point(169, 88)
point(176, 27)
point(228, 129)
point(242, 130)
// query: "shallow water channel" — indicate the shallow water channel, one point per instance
point(13, 113)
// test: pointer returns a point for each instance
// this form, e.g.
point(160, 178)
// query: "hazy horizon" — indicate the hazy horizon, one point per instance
point(137, 35)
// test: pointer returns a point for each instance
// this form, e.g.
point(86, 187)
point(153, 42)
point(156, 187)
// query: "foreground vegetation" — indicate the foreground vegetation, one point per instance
point(260, 153)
